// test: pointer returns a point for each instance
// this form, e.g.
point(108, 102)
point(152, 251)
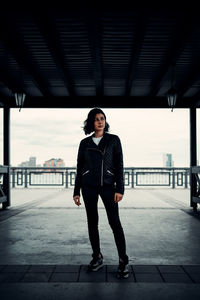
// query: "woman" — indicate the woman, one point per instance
point(100, 172)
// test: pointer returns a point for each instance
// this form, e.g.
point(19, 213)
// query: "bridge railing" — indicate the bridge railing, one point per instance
point(25, 177)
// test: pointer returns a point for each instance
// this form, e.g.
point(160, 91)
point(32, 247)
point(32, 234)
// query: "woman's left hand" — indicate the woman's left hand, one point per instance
point(118, 197)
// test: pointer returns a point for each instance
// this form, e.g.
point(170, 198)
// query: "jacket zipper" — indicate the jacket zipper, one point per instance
point(101, 162)
point(85, 172)
point(110, 172)
point(102, 172)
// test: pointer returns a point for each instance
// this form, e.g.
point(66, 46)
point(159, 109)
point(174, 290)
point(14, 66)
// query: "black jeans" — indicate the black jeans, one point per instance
point(90, 198)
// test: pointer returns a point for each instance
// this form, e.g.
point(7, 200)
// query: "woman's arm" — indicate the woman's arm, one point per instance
point(80, 160)
point(119, 166)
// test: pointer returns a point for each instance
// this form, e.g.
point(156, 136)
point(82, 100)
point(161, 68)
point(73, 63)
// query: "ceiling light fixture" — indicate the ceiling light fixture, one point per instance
point(172, 93)
point(19, 98)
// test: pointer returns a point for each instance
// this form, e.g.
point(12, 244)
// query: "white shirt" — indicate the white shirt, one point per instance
point(97, 140)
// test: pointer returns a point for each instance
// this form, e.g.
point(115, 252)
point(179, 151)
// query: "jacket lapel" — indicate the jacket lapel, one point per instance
point(102, 144)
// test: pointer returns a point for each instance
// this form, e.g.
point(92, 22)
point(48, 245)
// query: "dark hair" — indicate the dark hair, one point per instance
point(89, 122)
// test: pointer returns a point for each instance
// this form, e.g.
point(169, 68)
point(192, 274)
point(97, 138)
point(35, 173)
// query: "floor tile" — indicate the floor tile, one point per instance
point(192, 269)
point(2, 267)
point(112, 268)
point(195, 277)
point(148, 277)
point(98, 276)
point(41, 268)
point(16, 268)
point(144, 269)
point(170, 269)
point(176, 278)
point(67, 268)
point(111, 277)
point(11, 277)
point(36, 277)
point(84, 268)
point(64, 277)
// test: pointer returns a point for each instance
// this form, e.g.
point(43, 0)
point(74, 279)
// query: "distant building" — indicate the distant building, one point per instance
point(30, 163)
point(54, 162)
point(167, 160)
point(24, 164)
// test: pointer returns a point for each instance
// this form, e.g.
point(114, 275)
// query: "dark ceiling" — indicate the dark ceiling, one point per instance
point(99, 58)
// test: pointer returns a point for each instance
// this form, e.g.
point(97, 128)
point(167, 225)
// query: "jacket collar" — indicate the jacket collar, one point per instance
point(102, 144)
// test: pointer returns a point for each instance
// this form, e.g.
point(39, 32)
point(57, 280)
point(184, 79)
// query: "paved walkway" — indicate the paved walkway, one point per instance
point(45, 249)
point(75, 273)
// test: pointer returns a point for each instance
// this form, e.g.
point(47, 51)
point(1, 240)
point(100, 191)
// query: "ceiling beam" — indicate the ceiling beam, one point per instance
point(192, 77)
point(14, 45)
point(104, 102)
point(47, 26)
point(141, 24)
point(11, 83)
point(197, 97)
point(93, 23)
point(184, 25)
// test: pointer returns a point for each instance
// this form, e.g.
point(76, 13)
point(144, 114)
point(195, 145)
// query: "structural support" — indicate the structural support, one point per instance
point(193, 154)
point(6, 154)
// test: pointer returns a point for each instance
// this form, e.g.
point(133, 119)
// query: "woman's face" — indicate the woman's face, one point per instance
point(99, 122)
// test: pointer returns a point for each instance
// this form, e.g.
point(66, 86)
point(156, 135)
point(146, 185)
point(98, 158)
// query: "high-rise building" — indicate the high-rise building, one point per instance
point(167, 160)
point(32, 161)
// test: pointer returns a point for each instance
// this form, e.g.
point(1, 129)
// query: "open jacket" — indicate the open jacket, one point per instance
point(100, 165)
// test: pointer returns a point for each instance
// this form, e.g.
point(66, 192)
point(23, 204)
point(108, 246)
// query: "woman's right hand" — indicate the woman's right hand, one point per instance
point(77, 200)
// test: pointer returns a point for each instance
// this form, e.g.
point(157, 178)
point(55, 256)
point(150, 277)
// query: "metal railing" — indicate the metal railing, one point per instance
point(65, 177)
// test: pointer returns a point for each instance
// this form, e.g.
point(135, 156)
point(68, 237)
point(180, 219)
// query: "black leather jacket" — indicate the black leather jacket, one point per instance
point(100, 165)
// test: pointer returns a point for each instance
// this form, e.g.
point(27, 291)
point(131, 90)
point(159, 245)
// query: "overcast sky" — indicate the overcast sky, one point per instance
point(146, 134)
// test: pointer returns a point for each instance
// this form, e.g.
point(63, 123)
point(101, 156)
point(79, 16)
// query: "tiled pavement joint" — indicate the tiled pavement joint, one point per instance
point(78, 273)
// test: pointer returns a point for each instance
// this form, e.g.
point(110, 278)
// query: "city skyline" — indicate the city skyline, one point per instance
point(167, 162)
point(50, 162)
point(146, 134)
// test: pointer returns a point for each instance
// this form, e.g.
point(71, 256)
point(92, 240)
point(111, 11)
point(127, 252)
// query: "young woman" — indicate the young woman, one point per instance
point(100, 172)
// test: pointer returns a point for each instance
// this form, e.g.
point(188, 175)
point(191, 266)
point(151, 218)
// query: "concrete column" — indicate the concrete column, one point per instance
point(193, 153)
point(6, 153)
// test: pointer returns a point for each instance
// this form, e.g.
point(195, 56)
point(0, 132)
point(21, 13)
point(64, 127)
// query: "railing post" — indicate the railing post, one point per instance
point(13, 178)
point(132, 178)
point(26, 181)
point(186, 182)
point(66, 179)
point(173, 179)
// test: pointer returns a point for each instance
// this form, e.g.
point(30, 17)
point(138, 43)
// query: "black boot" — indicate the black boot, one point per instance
point(96, 263)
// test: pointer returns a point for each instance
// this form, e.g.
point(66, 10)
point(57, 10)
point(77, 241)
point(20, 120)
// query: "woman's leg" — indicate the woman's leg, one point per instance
point(107, 195)
point(90, 198)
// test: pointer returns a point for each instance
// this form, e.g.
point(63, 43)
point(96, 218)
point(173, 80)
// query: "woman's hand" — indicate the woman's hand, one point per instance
point(77, 200)
point(118, 197)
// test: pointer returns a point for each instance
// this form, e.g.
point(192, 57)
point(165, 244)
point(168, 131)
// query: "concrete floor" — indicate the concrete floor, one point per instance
point(44, 227)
